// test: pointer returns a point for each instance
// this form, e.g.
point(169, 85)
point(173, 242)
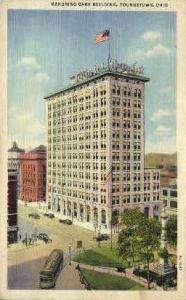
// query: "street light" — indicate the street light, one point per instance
point(99, 236)
point(70, 254)
point(95, 227)
point(111, 233)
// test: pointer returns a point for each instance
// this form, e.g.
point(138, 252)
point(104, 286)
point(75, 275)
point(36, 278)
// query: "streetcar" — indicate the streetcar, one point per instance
point(51, 269)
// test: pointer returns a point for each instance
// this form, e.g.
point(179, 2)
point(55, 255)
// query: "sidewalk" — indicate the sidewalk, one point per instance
point(19, 246)
point(112, 271)
point(69, 279)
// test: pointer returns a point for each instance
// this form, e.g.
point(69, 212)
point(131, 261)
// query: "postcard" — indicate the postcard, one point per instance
point(93, 149)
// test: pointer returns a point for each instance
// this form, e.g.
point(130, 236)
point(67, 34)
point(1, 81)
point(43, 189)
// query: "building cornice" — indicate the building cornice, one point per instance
point(100, 75)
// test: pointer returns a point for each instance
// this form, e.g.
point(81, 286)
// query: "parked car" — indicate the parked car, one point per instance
point(102, 237)
point(41, 235)
point(47, 240)
point(44, 237)
point(50, 215)
point(65, 221)
point(34, 215)
point(61, 221)
point(45, 214)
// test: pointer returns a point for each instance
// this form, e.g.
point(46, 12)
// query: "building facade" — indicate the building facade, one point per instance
point(95, 158)
point(33, 175)
point(14, 164)
point(169, 197)
point(12, 206)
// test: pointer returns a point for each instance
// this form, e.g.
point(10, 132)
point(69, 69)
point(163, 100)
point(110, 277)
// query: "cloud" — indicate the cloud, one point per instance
point(28, 61)
point(41, 76)
point(163, 145)
point(158, 49)
point(151, 35)
point(162, 130)
point(25, 127)
point(161, 114)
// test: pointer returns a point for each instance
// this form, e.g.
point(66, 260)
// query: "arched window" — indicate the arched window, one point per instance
point(103, 216)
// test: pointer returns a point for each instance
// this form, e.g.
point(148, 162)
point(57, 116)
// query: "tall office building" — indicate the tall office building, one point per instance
point(95, 159)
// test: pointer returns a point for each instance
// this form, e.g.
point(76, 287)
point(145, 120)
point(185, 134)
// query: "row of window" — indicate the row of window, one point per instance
point(73, 121)
point(136, 198)
point(117, 102)
point(126, 91)
point(172, 193)
point(66, 112)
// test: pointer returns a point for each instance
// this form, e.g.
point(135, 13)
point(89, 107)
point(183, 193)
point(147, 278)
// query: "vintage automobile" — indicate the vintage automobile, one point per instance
point(102, 237)
point(65, 221)
point(34, 215)
point(44, 237)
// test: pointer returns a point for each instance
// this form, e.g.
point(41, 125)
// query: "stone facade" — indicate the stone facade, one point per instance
point(95, 159)
point(14, 164)
point(33, 175)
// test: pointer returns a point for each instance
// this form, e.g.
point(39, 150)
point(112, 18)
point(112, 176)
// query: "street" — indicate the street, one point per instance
point(25, 262)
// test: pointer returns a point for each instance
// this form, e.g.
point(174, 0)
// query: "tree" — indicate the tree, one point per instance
point(149, 239)
point(128, 243)
point(171, 229)
point(140, 236)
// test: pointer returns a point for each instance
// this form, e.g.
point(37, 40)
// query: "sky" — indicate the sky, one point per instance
point(45, 48)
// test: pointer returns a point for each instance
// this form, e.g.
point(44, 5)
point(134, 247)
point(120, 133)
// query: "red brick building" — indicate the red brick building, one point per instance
point(12, 206)
point(33, 175)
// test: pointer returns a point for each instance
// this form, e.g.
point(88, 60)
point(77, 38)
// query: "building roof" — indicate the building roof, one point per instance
point(39, 150)
point(35, 154)
point(15, 148)
point(101, 74)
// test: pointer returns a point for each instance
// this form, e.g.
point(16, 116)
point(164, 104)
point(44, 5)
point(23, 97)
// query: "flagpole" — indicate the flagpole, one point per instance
point(109, 52)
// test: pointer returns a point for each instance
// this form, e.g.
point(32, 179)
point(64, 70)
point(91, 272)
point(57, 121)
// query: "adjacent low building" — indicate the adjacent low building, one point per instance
point(33, 175)
point(169, 197)
point(14, 163)
point(12, 206)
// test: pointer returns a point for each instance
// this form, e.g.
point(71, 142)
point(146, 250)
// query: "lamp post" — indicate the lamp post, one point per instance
point(70, 253)
point(111, 229)
point(95, 227)
point(99, 236)
point(72, 217)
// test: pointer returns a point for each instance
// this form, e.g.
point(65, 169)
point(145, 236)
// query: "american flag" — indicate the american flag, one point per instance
point(109, 179)
point(109, 174)
point(102, 36)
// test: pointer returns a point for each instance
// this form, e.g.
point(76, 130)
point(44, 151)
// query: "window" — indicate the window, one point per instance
point(139, 94)
point(118, 90)
point(114, 89)
point(173, 193)
point(165, 193)
point(173, 204)
point(125, 91)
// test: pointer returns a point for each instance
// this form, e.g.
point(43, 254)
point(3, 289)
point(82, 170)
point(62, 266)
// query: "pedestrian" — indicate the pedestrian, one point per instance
point(30, 241)
point(20, 236)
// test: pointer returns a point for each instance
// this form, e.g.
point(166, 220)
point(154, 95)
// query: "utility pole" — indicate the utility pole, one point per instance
point(70, 253)
point(111, 232)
